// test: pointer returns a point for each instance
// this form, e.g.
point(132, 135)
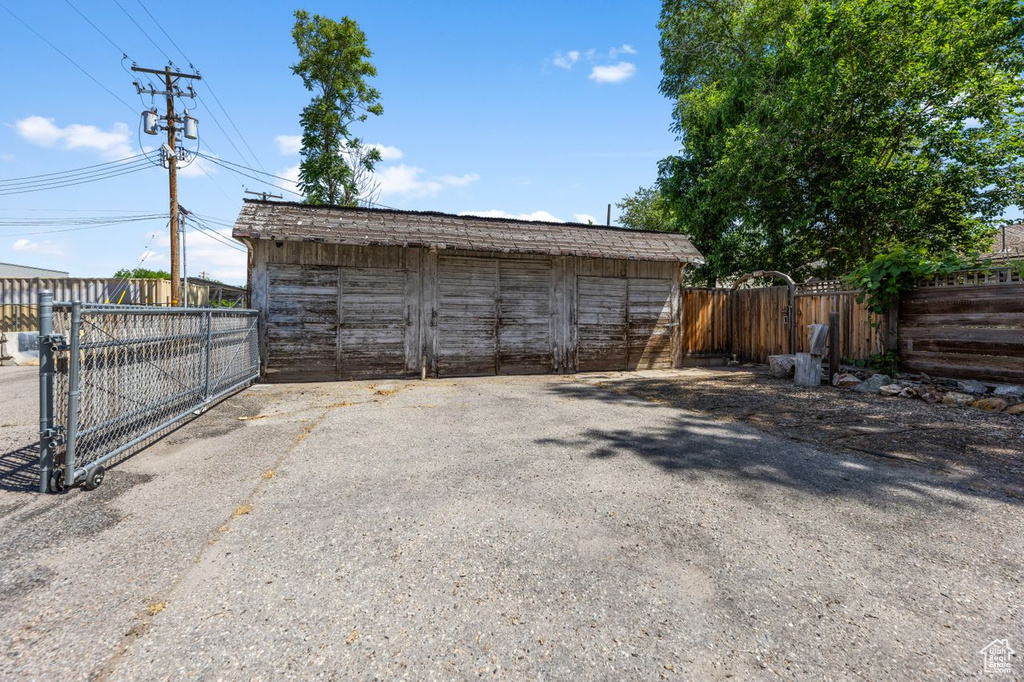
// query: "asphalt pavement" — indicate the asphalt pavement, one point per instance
point(513, 527)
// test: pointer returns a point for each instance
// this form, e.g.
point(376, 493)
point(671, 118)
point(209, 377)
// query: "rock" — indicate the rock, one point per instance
point(1009, 391)
point(909, 392)
point(990, 404)
point(843, 380)
point(872, 384)
point(1017, 409)
point(972, 386)
point(955, 398)
point(890, 390)
point(781, 366)
point(930, 396)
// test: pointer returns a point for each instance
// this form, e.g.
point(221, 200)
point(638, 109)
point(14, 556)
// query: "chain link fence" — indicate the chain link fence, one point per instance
point(112, 377)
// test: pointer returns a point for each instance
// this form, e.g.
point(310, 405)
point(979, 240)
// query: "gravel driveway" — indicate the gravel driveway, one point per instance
point(512, 527)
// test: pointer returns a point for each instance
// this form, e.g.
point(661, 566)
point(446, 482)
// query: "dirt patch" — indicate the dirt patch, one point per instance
point(942, 437)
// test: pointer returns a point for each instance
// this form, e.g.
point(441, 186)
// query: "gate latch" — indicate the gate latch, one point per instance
point(54, 434)
point(57, 342)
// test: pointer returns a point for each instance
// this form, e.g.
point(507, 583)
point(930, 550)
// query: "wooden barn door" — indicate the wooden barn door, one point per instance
point(467, 316)
point(374, 322)
point(651, 323)
point(601, 311)
point(302, 322)
point(524, 317)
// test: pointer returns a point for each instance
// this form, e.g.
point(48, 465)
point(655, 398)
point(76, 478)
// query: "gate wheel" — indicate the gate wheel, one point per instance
point(57, 481)
point(95, 478)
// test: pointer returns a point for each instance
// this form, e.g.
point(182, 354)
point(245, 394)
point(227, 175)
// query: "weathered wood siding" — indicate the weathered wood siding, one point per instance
point(964, 331)
point(861, 334)
point(704, 324)
point(397, 311)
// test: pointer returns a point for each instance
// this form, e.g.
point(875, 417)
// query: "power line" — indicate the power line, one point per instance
point(72, 171)
point(72, 229)
point(229, 166)
point(72, 61)
point(139, 26)
point(92, 220)
point(221, 128)
point(98, 30)
point(140, 166)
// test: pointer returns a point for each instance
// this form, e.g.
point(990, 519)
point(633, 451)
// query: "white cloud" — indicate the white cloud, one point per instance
point(497, 213)
point(565, 61)
point(289, 144)
point(44, 132)
point(292, 173)
point(584, 218)
point(408, 181)
point(43, 248)
point(625, 49)
point(615, 73)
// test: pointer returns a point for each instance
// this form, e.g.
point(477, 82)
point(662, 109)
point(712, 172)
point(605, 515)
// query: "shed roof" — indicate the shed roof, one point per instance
point(1014, 241)
point(286, 221)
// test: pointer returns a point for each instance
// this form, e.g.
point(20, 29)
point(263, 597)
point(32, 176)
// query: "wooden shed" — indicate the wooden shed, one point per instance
point(366, 293)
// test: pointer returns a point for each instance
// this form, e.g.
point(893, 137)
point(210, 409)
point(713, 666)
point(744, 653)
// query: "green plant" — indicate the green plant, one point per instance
point(886, 362)
point(882, 279)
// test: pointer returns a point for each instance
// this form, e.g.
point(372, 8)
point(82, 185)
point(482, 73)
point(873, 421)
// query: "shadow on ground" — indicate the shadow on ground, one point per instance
point(711, 443)
point(19, 469)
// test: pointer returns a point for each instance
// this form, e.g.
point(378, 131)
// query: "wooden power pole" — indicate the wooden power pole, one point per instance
point(171, 90)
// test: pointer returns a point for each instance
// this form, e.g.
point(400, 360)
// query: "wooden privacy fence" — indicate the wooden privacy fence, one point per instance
point(759, 323)
point(968, 324)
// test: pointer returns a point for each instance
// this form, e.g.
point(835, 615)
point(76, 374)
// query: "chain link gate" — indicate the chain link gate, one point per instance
point(111, 377)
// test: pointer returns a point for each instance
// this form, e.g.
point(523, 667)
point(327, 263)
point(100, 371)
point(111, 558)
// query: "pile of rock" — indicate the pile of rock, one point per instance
point(970, 393)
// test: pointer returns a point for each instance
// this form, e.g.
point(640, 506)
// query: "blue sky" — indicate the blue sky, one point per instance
point(527, 108)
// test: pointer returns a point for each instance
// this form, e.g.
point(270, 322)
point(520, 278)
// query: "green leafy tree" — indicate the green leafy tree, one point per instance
point(141, 273)
point(334, 64)
point(821, 130)
point(645, 209)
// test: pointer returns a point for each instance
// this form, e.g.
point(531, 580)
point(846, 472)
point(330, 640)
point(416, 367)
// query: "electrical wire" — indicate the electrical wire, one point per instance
point(72, 61)
point(229, 166)
point(98, 30)
point(74, 171)
point(213, 234)
point(139, 26)
point(73, 229)
point(139, 166)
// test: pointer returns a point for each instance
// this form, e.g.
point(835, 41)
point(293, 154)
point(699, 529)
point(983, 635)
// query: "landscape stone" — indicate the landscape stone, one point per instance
point(843, 380)
point(1017, 409)
point(890, 390)
point(972, 386)
point(990, 404)
point(955, 398)
point(1009, 391)
point(909, 392)
point(873, 383)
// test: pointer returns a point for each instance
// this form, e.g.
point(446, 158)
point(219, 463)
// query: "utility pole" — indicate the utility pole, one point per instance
point(171, 90)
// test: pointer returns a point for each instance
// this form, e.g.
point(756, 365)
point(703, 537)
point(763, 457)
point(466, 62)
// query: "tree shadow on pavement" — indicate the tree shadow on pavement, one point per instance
point(19, 469)
point(703, 444)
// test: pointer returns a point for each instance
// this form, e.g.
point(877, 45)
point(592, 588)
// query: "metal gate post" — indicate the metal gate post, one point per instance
point(208, 353)
point(45, 390)
point(74, 381)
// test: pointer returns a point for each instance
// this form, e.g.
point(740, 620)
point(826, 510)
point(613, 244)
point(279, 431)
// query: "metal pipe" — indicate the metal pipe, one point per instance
point(207, 355)
point(74, 381)
point(45, 389)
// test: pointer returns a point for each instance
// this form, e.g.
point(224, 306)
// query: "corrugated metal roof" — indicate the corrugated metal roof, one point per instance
point(285, 221)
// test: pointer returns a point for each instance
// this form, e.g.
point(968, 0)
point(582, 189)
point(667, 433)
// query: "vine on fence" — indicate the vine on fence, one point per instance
point(883, 279)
